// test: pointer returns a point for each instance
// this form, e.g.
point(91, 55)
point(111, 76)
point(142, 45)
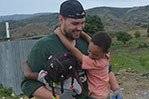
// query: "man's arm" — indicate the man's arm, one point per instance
point(33, 75)
point(41, 92)
point(44, 93)
point(28, 73)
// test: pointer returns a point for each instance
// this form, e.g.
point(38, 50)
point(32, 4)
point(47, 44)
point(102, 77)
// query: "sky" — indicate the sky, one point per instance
point(10, 7)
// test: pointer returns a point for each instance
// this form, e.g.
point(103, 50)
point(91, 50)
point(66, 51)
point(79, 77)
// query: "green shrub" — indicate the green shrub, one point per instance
point(1, 86)
point(117, 43)
point(142, 44)
point(5, 92)
point(133, 42)
point(93, 24)
point(137, 34)
point(148, 32)
point(123, 36)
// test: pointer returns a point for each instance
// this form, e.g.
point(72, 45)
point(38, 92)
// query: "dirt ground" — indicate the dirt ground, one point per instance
point(134, 85)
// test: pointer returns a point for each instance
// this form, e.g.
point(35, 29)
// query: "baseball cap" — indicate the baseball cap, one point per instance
point(72, 9)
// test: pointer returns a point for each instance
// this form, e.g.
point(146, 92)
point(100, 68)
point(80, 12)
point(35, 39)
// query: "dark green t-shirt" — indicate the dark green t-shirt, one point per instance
point(45, 47)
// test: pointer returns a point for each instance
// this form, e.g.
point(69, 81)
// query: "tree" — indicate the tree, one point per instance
point(148, 32)
point(123, 36)
point(93, 24)
point(137, 34)
point(2, 29)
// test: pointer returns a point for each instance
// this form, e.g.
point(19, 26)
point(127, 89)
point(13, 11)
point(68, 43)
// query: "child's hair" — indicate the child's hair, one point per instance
point(102, 39)
point(59, 68)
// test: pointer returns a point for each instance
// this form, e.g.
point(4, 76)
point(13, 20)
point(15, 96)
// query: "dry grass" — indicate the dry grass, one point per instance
point(143, 31)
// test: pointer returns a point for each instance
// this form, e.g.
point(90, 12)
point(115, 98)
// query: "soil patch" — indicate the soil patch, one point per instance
point(134, 85)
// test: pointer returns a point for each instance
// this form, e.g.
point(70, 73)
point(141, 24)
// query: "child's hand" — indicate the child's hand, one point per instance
point(85, 36)
point(73, 43)
point(118, 93)
point(57, 31)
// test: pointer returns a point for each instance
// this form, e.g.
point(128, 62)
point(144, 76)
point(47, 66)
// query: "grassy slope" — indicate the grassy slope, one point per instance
point(130, 58)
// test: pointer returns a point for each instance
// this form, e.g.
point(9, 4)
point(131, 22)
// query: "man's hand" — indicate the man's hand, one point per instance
point(28, 72)
point(118, 93)
point(26, 69)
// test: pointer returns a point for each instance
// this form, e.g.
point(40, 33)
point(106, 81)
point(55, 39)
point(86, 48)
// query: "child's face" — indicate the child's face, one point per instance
point(95, 52)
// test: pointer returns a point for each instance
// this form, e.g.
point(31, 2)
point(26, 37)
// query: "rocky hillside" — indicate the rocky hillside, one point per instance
point(114, 19)
point(122, 19)
point(20, 16)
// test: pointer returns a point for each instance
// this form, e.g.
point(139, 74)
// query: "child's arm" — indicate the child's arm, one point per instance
point(28, 72)
point(85, 36)
point(77, 54)
point(70, 46)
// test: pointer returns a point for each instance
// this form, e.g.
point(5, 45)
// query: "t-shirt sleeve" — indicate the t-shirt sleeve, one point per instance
point(88, 63)
point(36, 60)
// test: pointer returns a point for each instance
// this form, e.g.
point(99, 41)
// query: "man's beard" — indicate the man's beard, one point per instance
point(68, 35)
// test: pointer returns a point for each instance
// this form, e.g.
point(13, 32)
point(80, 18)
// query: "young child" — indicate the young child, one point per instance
point(96, 64)
point(60, 71)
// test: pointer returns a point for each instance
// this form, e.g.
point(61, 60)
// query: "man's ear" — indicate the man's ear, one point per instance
point(61, 19)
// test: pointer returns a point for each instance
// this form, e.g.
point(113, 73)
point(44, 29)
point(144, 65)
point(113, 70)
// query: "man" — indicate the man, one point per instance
point(72, 20)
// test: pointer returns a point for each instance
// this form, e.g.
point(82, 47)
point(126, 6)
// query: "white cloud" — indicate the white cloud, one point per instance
point(8, 7)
